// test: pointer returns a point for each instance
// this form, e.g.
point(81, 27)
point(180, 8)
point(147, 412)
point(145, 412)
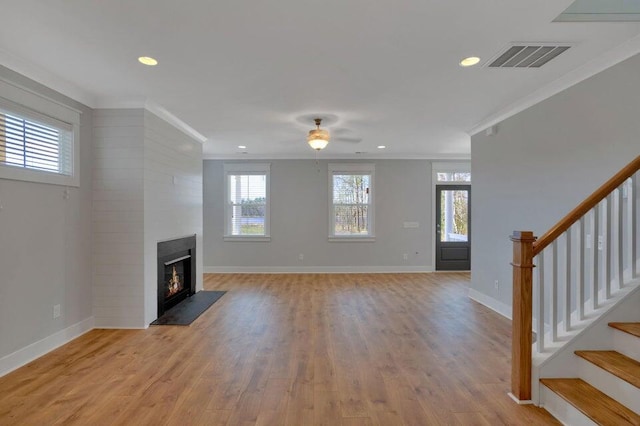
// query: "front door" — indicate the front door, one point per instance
point(453, 228)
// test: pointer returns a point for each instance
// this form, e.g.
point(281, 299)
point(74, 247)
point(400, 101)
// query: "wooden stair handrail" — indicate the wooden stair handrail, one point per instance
point(589, 203)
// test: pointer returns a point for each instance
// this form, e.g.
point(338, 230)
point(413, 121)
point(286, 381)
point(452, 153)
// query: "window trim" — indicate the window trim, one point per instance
point(354, 169)
point(449, 167)
point(247, 169)
point(30, 105)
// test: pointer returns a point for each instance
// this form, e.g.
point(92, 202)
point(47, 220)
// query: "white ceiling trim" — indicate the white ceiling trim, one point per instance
point(608, 59)
point(174, 121)
point(337, 157)
point(46, 78)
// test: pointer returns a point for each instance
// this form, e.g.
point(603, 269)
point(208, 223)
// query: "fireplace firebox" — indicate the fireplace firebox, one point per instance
point(176, 271)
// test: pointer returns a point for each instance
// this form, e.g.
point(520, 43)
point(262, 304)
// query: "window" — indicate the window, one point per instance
point(351, 206)
point(451, 173)
point(38, 138)
point(453, 176)
point(247, 202)
point(33, 145)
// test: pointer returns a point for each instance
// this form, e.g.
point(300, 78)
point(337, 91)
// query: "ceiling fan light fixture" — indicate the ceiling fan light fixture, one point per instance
point(318, 138)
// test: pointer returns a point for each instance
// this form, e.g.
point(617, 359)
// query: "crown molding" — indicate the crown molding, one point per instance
point(46, 78)
point(164, 114)
point(591, 68)
point(50, 80)
point(157, 110)
point(443, 157)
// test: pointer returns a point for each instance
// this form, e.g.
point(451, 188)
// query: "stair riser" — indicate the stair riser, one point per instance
point(626, 344)
point(566, 413)
point(609, 384)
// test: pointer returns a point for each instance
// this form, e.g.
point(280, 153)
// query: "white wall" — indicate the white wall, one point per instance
point(172, 198)
point(45, 253)
point(542, 162)
point(148, 188)
point(300, 224)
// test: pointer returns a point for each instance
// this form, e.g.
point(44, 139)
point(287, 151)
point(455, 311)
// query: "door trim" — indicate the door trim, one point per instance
point(460, 186)
point(436, 167)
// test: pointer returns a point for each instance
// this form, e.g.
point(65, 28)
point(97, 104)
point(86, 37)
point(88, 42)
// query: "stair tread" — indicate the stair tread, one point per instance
point(626, 368)
point(594, 404)
point(632, 328)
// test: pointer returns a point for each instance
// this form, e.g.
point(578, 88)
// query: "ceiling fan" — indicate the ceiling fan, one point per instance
point(319, 138)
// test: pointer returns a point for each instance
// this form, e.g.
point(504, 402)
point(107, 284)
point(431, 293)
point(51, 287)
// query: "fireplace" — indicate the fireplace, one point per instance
point(176, 271)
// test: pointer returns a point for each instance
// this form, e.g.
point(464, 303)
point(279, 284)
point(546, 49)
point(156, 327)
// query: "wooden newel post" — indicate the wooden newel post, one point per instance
point(522, 313)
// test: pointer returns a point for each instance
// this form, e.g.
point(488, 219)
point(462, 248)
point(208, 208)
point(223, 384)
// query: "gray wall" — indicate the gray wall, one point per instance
point(542, 162)
point(45, 246)
point(299, 221)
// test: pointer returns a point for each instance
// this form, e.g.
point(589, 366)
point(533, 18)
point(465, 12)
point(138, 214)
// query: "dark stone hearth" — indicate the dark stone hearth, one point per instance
point(185, 312)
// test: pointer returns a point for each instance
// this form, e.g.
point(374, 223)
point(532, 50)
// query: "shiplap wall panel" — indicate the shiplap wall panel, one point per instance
point(118, 219)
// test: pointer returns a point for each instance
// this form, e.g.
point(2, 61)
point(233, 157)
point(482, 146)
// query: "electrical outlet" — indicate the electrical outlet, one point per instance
point(405, 256)
point(56, 311)
point(600, 242)
point(496, 285)
point(588, 245)
point(301, 256)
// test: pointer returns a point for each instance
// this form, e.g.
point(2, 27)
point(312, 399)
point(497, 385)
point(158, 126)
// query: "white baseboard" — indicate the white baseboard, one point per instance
point(35, 350)
point(491, 303)
point(520, 401)
point(109, 327)
point(316, 269)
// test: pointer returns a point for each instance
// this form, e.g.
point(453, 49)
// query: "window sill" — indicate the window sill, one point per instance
point(351, 239)
point(247, 238)
point(37, 176)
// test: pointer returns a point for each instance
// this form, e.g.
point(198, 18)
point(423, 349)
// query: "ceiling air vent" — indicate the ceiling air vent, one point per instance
point(527, 55)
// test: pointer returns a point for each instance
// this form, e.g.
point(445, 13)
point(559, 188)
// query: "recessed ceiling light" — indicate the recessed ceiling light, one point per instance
point(242, 147)
point(382, 146)
point(147, 60)
point(470, 61)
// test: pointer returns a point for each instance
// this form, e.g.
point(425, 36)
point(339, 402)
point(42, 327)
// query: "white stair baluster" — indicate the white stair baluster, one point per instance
point(540, 336)
point(620, 237)
point(567, 282)
point(580, 271)
point(608, 221)
point(595, 267)
point(554, 292)
point(633, 215)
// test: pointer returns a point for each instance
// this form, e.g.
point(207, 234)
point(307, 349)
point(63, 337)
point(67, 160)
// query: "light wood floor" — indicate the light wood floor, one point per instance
point(366, 349)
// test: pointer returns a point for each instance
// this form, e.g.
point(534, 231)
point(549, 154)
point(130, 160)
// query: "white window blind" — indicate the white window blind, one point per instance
point(351, 200)
point(35, 144)
point(247, 201)
point(39, 137)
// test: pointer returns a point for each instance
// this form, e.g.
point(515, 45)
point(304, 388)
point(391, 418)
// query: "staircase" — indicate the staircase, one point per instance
point(608, 391)
point(582, 307)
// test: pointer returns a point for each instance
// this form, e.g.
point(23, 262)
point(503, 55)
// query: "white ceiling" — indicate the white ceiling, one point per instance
point(244, 73)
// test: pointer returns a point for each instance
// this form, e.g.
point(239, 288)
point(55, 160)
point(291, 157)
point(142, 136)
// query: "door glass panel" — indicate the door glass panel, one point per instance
point(454, 215)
